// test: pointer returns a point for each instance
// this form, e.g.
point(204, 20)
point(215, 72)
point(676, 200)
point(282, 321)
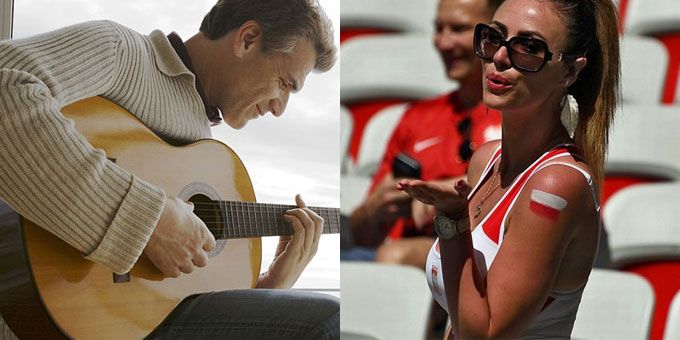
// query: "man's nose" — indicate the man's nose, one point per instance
point(278, 105)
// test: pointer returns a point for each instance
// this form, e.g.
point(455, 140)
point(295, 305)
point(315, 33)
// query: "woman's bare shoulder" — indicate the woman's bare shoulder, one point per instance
point(479, 160)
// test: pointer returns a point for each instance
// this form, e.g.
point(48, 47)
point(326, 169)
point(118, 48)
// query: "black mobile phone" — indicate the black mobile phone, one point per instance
point(405, 166)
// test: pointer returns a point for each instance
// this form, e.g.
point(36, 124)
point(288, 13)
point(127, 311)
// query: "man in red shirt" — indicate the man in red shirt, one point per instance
point(439, 133)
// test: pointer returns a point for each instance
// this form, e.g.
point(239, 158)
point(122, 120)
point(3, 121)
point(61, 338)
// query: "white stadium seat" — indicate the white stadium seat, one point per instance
point(353, 190)
point(374, 140)
point(391, 66)
point(644, 141)
point(644, 62)
point(650, 17)
point(672, 331)
point(393, 15)
point(615, 305)
point(384, 301)
point(644, 223)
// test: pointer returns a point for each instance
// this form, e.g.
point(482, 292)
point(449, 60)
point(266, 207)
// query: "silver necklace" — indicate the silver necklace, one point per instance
point(489, 190)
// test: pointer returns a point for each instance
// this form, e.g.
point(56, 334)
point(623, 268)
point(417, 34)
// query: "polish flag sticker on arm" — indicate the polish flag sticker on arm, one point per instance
point(546, 204)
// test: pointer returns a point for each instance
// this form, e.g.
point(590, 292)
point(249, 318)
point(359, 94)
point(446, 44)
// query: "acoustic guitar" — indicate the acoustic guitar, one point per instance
point(47, 288)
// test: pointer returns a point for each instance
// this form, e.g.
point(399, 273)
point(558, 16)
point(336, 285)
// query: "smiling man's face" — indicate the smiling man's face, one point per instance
point(262, 83)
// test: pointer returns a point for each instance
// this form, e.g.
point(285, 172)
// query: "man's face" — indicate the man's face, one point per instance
point(454, 30)
point(262, 83)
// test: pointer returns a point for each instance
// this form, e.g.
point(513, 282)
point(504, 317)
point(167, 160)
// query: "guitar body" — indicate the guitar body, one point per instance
point(49, 290)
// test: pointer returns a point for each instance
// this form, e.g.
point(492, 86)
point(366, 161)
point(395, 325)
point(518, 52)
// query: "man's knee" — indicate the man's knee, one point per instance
point(328, 318)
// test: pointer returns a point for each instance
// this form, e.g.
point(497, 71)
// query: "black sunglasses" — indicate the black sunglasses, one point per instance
point(525, 53)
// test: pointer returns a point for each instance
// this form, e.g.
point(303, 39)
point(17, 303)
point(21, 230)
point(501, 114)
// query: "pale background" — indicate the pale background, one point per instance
point(296, 153)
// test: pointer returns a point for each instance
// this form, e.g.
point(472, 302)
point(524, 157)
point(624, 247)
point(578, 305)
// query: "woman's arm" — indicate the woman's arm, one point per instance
point(524, 270)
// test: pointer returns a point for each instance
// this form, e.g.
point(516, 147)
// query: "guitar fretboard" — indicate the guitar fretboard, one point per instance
point(236, 219)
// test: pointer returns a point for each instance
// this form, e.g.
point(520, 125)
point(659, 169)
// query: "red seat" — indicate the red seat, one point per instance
point(615, 182)
point(672, 43)
point(664, 276)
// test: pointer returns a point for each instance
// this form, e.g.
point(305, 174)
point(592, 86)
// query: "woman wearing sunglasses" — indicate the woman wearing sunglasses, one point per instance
point(516, 246)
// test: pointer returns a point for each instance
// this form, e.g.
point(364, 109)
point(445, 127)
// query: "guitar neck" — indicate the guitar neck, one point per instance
point(236, 219)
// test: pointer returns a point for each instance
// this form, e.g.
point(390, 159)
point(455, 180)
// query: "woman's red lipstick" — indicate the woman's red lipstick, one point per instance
point(497, 84)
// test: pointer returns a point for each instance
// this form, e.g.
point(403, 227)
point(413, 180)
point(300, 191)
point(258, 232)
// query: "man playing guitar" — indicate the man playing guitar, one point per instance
point(245, 61)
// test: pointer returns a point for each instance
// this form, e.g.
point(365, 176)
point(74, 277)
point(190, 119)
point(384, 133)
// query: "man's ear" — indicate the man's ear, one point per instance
point(574, 70)
point(247, 38)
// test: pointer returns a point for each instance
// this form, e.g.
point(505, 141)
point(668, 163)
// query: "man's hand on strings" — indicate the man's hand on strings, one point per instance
point(294, 252)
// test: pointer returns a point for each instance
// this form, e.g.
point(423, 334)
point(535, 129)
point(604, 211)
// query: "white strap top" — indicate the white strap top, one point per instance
point(556, 320)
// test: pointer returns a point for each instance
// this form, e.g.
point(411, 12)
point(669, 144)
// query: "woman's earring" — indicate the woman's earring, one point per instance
point(569, 114)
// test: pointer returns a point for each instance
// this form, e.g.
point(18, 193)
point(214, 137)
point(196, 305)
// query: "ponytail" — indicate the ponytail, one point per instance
point(592, 26)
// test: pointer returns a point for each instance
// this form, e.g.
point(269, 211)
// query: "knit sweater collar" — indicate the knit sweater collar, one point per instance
point(172, 58)
point(167, 60)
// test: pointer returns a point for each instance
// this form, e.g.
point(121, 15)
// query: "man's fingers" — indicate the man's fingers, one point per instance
point(298, 236)
point(187, 267)
point(209, 242)
point(318, 230)
point(306, 222)
point(171, 271)
point(200, 259)
point(299, 202)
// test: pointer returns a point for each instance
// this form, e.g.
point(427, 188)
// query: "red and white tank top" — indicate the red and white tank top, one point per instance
point(557, 317)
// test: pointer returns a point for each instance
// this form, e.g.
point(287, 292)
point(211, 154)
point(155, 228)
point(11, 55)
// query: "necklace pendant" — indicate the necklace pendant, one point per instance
point(478, 210)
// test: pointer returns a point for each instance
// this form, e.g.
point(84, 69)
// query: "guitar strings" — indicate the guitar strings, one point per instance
point(251, 211)
point(239, 204)
point(256, 203)
point(331, 225)
point(258, 218)
point(246, 226)
point(261, 232)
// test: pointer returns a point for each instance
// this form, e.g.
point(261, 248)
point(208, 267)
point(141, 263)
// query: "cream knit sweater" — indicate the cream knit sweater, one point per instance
point(49, 173)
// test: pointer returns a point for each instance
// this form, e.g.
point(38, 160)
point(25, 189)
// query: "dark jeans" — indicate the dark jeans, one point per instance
point(253, 314)
point(357, 254)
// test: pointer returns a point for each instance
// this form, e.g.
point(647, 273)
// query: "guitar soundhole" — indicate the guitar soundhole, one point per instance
point(209, 212)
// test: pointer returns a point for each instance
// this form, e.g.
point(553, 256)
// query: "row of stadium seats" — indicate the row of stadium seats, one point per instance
point(615, 305)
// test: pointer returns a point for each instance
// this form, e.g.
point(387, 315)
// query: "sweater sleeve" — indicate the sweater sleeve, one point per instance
point(49, 173)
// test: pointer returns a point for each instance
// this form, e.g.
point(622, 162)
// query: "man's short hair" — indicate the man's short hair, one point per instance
point(283, 22)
